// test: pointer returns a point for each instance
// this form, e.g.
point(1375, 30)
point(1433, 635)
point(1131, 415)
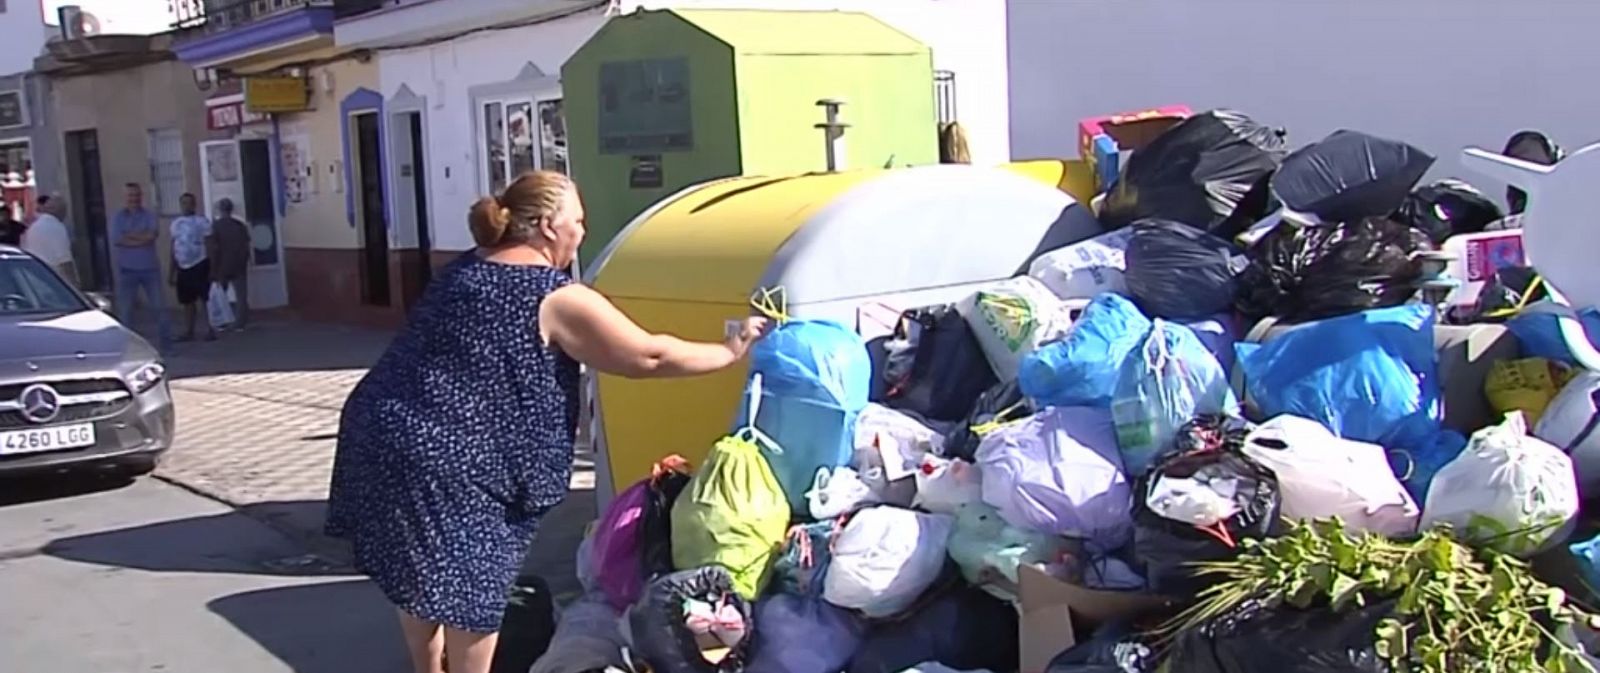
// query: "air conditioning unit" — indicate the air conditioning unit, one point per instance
point(77, 24)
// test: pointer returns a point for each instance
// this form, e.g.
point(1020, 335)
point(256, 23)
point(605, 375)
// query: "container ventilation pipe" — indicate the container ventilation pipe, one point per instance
point(833, 133)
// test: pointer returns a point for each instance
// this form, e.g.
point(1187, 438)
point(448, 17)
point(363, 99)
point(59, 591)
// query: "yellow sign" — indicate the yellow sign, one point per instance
point(276, 94)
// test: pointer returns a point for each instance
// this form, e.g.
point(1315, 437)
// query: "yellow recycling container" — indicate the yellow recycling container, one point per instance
point(856, 247)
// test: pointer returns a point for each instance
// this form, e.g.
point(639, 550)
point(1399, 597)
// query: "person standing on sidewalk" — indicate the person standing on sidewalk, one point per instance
point(133, 237)
point(231, 265)
point(10, 228)
point(49, 240)
point(191, 266)
point(460, 438)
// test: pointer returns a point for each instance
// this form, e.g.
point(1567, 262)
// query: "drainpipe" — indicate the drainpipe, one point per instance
point(833, 133)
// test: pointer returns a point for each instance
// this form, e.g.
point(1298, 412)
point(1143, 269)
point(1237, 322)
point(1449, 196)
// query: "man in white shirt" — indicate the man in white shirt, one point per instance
point(48, 239)
point(191, 265)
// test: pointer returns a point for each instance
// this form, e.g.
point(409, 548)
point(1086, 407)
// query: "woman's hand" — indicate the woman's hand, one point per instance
point(750, 330)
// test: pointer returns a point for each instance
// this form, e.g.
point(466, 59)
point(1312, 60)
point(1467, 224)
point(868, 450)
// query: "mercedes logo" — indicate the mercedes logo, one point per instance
point(40, 403)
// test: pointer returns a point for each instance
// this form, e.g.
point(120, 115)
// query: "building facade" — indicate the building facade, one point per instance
point(295, 129)
point(473, 92)
point(124, 110)
point(27, 149)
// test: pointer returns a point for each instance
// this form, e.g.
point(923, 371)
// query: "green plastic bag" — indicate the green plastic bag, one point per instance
point(732, 514)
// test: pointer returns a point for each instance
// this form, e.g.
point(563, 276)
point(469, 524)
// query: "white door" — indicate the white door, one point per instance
point(249, 187)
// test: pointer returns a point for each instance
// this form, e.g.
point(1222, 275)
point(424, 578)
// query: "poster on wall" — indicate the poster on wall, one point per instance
point(644, 106)
point(222, 162)
point(293, 160)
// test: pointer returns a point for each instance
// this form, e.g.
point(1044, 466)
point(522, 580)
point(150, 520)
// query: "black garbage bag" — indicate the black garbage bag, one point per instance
point(1167, 548)
point(965, 628)
point(1510, 288)
point(1531, 146)
point(1195, 172)
point(1301, 273)
point(655, 524)
point(1176, 271)
point(1447, 208)
point(527, 627)
point(1113, 649)
point(1212, 432)
point(1257, 639)
point(1349, 176)
point(804, 634)
point(673, 613)
point(1003, 399)
point(935, 368)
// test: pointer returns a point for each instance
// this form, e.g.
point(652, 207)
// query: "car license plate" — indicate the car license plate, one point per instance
point(46, 439)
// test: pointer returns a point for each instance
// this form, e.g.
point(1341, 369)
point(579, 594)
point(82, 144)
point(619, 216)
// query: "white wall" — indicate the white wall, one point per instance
point(968, 38)
point(1440, 74)
point(443, 74)
point(22, 36)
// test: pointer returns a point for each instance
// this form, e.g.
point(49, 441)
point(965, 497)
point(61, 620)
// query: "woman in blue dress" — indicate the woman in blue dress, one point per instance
point(460, 438)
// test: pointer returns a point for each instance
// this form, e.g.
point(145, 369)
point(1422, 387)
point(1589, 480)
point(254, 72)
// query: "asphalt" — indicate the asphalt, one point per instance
point(101, 576)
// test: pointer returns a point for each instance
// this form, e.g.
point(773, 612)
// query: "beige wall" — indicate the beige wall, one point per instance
point(319, 219)
point(122, 107)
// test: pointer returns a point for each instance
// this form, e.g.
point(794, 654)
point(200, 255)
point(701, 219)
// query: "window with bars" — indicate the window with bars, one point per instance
point(167, 179)
point(518, 135)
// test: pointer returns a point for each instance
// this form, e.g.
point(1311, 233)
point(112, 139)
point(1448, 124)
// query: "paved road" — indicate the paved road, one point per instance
point(99, 577)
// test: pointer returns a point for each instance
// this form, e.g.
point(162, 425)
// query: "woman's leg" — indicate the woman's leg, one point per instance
point(469, 652)
point(425, 640)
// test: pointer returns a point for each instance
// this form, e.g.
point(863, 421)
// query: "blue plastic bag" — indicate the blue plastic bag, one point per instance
point(1539, 334)
point(1081, 370)
point(1587, 555)
point(803, 634)
point(1370, 376)
point(814, 378)
point(1415, 467)
point(1167, 381)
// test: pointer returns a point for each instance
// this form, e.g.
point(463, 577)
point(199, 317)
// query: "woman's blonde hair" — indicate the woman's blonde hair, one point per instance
point(514, 215)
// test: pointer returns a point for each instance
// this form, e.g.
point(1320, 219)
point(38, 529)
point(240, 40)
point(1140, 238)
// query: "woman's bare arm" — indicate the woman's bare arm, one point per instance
point(588, 327)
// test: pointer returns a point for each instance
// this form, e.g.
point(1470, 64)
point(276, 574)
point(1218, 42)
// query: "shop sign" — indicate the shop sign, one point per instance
point(13, 110)
point(230, 115)
point(276, 94)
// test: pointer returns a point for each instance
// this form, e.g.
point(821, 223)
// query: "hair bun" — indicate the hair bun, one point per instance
point(487, 221)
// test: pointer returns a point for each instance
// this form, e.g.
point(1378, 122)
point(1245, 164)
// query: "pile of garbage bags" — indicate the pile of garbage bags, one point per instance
point(1251, 342)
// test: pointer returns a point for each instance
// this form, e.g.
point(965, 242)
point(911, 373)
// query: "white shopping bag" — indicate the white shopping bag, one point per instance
point(218, 310)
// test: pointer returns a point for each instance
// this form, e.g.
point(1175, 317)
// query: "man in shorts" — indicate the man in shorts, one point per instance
point(192, 244)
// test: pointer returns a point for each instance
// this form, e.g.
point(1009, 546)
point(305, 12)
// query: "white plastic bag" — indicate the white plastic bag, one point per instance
point(1572, 424)
point(885, 558)
point(1198, 501)
point(1507, 489)
point(890, 445)
point(1012, 318)
point(218, 311)
point(838, 492)
point(1321, 475)
point(1059, 472)
point(1086, 268)
point(945, 484)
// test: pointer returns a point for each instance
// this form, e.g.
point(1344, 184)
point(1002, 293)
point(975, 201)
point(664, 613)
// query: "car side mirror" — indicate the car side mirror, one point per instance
point(101, 301)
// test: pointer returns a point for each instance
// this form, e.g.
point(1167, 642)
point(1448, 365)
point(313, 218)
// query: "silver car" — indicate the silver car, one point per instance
point(77, 389)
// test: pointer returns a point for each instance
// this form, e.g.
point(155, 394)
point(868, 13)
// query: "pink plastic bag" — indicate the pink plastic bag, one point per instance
point(618, 539)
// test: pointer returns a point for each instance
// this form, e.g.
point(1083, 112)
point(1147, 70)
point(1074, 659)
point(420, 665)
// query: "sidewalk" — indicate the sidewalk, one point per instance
point(258, 413)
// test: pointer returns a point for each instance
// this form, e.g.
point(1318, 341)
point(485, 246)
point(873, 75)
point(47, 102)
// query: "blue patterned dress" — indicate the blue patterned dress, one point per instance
point(456, 443)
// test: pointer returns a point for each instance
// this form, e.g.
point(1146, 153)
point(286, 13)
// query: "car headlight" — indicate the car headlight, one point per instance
point(146, 377)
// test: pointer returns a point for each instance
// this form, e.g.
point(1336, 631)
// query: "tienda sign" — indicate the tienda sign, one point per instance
point(229, 113)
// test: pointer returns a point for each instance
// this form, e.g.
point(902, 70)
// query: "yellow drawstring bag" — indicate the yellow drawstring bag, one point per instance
point(733, 513)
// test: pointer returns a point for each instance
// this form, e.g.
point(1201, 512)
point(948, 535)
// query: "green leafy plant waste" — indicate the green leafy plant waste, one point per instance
point(1459, 608)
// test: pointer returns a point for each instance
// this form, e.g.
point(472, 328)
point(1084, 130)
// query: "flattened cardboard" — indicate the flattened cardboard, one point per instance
point(1048, 607)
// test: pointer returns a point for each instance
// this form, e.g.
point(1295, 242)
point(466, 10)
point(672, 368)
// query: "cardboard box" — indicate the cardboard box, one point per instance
point(1049, 608)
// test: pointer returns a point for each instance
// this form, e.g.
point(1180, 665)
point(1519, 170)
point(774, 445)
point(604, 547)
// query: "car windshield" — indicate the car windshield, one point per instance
point(27, 286)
